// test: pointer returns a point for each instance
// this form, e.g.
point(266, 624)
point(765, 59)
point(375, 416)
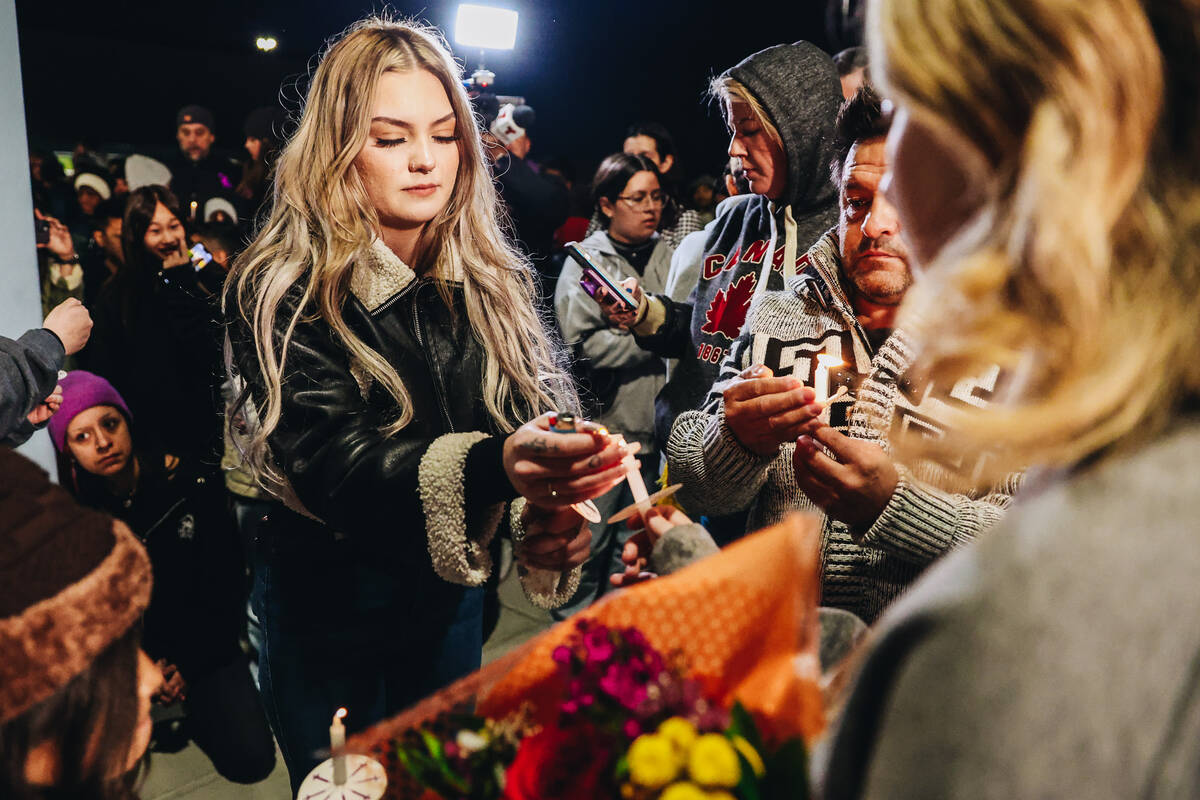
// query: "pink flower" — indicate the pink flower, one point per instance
point(599, 645)
point(632, 729)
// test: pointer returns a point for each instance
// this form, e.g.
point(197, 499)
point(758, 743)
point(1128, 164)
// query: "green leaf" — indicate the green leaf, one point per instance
point(621, 771)
point(741, 723)
point(787, 772)
point(747, 788)
point(431, 768)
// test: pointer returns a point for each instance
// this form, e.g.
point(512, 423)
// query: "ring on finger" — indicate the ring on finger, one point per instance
point(553, 491)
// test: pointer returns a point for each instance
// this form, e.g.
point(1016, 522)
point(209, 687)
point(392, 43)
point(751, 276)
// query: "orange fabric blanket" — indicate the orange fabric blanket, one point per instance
point(744, 622)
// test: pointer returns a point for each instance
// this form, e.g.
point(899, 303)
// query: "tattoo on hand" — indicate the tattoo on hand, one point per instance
point(542, 445)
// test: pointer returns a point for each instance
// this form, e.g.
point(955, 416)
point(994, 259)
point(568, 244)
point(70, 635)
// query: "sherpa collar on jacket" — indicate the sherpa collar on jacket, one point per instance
point(380, 275)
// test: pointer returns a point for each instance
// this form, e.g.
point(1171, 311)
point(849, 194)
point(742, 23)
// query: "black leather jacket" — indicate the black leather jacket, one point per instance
point(328, 441)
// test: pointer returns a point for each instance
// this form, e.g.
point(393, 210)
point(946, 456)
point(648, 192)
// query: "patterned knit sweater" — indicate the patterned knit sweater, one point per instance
point(862, 571)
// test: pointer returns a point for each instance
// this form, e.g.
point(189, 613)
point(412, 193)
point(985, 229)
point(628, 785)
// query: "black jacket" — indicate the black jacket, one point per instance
point(157, 339)
point(182, 515)
point(200, 181)
point(328, 443)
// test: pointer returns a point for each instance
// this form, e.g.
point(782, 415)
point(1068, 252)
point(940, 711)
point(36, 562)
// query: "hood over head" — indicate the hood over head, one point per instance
point(798, 86)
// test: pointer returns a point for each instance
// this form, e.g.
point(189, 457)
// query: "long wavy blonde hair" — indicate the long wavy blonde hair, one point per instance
point(1081, 273)
point(322, 223)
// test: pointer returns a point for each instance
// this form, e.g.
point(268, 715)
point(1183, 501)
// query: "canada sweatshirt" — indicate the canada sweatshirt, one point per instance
point(746, 250)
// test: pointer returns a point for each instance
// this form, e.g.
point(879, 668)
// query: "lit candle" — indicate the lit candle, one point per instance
point(337, 746)
point(825, 362)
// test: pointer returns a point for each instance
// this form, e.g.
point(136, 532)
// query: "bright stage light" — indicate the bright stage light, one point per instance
point(265, 43)
point(485, 27)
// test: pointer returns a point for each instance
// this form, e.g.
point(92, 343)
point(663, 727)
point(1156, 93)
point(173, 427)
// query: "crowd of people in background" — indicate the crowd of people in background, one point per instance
point(947, 363)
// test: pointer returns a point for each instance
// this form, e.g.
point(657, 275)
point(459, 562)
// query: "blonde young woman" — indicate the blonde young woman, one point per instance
point(1046, 165)
point(387, 334)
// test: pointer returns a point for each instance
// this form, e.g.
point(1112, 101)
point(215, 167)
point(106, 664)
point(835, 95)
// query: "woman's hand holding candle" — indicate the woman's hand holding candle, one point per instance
point(555, 470)
point(764, 412)
point(651, 526)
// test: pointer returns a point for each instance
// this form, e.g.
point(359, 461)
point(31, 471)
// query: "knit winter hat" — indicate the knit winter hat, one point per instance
point(145, 171)
point(94, 182)
point(73, 582)
point(214, 204)
point(82, 390)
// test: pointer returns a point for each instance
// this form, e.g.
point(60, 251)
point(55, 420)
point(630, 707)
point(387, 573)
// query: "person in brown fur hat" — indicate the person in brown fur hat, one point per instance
point(75, 686)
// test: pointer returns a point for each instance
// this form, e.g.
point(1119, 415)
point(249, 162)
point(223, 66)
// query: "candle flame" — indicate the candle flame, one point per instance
point(828, 361)
point(340, 713)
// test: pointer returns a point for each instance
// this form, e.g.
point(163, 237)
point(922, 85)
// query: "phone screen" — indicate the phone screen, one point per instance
point(593, 280)
point(200, 256)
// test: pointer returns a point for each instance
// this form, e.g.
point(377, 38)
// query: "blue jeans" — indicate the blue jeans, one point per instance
point(344, 625)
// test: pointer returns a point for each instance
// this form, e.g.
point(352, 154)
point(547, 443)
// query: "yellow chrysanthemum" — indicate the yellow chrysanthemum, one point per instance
point(680, 733)
point(683, 791)
point(713, 762)
point(627, 791)
point(652, 761)
point(750, 754)
point(720, 794)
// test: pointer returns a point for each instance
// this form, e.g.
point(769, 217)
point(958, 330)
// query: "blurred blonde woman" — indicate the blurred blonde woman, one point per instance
point(1046, 165)
point(385, 329)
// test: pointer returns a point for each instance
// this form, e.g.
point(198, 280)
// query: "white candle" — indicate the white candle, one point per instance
point(636, 485)
point(825, 362)
point(337, 747)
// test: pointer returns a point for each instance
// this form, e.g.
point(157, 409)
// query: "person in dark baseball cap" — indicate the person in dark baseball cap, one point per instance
point(196, 131)
point(75, 687)
point(198, 174)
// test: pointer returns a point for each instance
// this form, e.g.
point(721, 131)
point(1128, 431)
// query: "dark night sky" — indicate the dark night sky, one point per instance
point(117, 71)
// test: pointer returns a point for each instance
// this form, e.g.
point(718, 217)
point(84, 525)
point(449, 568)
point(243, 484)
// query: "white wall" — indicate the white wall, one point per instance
point(20, 301)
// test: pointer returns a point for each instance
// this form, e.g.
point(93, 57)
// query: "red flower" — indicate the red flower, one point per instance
point(573, 762)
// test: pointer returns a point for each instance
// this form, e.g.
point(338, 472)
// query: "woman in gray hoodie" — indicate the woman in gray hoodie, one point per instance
point(780, 105)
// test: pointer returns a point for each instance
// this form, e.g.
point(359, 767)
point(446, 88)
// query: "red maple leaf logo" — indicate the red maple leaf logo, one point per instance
point(727, 313)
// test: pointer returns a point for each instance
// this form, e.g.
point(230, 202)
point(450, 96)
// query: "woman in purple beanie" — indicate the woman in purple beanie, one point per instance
point(196, 610)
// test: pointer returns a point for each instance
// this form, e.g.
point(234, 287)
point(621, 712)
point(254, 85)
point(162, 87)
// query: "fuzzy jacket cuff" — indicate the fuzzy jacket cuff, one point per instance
point(544, 588)
point(458, 542)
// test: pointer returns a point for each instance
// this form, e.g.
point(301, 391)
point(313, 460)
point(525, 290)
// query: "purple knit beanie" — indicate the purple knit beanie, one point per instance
point(82, 390)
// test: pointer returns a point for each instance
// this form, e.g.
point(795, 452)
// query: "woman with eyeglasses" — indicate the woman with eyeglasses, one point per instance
point(624, 379)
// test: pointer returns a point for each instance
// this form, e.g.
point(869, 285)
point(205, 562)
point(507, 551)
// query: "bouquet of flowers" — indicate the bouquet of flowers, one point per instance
point(631, 725)
point(702, 684)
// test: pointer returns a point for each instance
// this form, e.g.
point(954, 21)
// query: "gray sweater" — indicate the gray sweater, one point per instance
point(1057, 657)
point(862, 571)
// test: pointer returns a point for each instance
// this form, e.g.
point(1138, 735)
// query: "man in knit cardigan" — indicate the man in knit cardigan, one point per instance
point(755, 445)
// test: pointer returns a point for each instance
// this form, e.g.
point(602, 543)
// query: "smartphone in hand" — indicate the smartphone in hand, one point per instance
point(199, 256)
point(594, 280)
